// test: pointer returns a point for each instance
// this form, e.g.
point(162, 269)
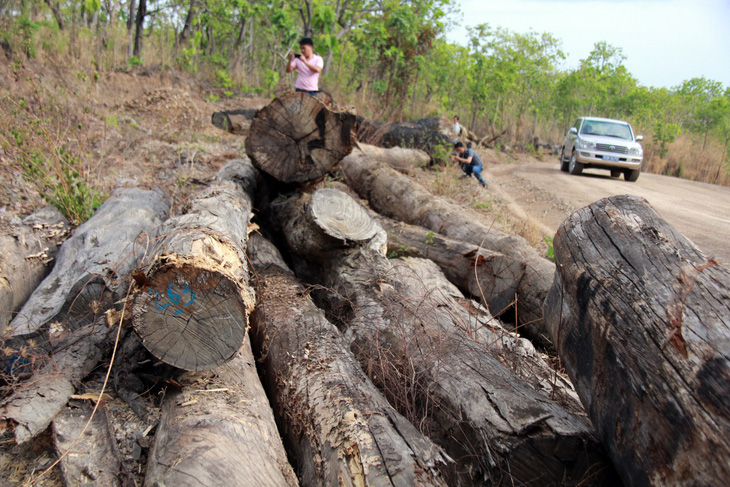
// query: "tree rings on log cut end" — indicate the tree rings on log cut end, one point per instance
point(297, 139)
point(341, 217)
point(191, 318)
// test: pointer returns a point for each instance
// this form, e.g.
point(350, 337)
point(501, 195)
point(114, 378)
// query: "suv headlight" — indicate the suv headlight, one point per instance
point(586, 144)
point(635, 151)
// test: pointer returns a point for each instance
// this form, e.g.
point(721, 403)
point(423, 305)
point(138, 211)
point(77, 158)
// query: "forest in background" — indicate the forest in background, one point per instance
point(391, 60)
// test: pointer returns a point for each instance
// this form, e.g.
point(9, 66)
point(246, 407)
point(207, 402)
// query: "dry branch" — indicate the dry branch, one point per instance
point(641, 319)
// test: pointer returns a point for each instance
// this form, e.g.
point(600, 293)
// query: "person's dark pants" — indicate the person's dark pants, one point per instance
point(313, 93)
point(470, 169)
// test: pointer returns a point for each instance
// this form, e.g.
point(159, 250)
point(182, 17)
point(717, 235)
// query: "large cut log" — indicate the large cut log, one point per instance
point(482, 394)
point(192, 307)
point(26, 250)
point(339, 428)
point(218, 431)
point(234, 121)
point(489, 276)
point(396, 196)
point(92, 268)
point(30, 409)
point(88, 446)
point(399, 158)
point(296, 138)
point(641, 319)
point(420, 134)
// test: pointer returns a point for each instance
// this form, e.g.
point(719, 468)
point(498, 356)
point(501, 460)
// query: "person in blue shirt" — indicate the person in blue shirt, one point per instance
point(470, 162)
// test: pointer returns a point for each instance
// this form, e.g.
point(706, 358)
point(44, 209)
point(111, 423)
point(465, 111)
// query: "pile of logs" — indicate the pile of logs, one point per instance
point(426, 369)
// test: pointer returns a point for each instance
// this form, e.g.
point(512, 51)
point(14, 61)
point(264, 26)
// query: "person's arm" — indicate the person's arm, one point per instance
point(314, 67)
point(289, 66)
point(466, 160)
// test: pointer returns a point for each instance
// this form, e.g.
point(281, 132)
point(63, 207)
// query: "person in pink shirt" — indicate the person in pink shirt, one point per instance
point(308, 65)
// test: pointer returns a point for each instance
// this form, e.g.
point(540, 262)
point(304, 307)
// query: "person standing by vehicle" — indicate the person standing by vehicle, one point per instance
point(470, 162)
point(308, 66)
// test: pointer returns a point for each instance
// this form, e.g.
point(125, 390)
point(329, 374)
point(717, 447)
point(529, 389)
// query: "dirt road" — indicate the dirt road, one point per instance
point(700, 211)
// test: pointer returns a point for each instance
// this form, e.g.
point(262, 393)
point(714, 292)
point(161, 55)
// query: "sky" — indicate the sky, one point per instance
point(665, 42)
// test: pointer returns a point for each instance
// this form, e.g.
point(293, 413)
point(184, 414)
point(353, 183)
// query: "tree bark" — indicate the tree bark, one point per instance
point(139, 28)
point(93, 454)
point(56, 11)
point(234, 121)
point(340, 429)
point(396, 196)
point(192, 307)
point(219, 430)
point(25, 253)
point(31, 409)
point(399, 158)
point(297, 139)
point(483, 395)
point(641, 319)
point(489, 276)
point(421, 134)
point(92, 267)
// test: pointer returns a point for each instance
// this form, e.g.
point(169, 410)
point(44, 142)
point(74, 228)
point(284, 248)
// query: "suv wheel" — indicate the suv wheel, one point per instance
point(616, 173)
point(563, 162)
point(631, 174)
point(575, 167)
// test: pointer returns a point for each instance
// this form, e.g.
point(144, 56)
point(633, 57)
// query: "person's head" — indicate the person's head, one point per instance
point(456, 118)
point(306, 45)
point(459, 147)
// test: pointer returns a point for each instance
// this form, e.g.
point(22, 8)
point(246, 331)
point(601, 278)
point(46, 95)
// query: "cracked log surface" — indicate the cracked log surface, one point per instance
point(396, 196)
point(484, 395)
point(296, 138)
point(490, 276)
point(92, 268)
point(218, 430)
point(338, 426)
point(26, 250)
point(641, 319)
point(192, 307)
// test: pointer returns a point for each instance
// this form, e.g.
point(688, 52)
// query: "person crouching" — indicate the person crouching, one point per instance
point(470, 162)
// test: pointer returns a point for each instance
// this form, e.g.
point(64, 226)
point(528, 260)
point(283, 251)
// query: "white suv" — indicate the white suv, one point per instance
point(602, 143)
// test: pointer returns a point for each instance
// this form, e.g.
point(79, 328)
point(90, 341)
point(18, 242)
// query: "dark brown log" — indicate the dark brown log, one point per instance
point(218, 431)
point(396, 196)
point(486, 275)
point(421, 134)
point(234, 121)
point(297, 139)
point(26, 250)
point(482, 394)
point(92, 268)
point(641, 319)
point(339, 428)
point(91, 453)
point(192, 307)
point(31, 409)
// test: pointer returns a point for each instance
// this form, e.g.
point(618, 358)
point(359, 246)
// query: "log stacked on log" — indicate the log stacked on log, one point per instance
point(91, 270)
point(421, 134)
point(193, 305)
point(641, 319)
point(234, 121)
point(440, 360)
point(396, 196)
point(26, 249)
point(297, 139)
point(340, 428)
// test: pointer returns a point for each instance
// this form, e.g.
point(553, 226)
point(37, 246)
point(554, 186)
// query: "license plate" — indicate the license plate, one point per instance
point(610, 158)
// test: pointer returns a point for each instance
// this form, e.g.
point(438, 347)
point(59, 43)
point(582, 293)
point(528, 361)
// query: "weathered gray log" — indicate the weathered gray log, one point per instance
point(234, 121)
point(486, 275)
point(339, 428)
point(192, 307)
point(297, 139)
point(641, 319)
point(27, 248)
point(218, 431)
point(93, 457)
point(396, 196)
point(31, 408)
point(92, 268)
point(482, 394)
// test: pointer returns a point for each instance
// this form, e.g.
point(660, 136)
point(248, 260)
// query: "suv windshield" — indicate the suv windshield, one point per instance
point(606, 129)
